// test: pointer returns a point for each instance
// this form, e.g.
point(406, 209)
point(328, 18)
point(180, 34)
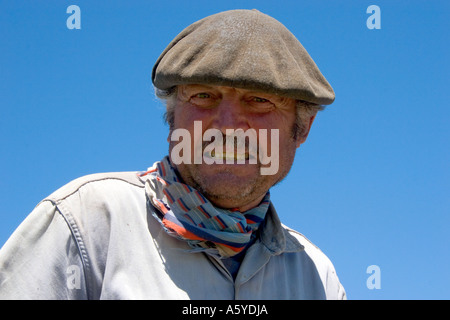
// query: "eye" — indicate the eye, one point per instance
point(259, 104)
point(203, 95)
point(202, 100)
point(260, 100)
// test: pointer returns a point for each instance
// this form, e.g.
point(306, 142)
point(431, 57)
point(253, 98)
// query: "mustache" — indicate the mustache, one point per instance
point(232, 145)
point(215, 146)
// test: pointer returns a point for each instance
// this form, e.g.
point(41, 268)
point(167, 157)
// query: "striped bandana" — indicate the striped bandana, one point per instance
point(186, 214)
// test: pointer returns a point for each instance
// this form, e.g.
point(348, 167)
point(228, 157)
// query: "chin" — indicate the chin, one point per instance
point(227, 190)
point(226, 184)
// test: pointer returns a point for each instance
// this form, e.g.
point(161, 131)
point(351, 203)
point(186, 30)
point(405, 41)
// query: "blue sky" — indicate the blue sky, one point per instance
point(369, 187)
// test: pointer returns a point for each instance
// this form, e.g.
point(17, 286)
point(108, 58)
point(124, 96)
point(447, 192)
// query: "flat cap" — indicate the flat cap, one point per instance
point(243, 49)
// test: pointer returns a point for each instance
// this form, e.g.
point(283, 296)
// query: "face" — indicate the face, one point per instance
point(224, 109)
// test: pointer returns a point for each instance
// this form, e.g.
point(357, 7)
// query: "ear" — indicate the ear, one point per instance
point(169, 135)
point(303, 137)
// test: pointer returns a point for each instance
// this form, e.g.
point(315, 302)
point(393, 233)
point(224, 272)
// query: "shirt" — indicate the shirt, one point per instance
point(95, 238)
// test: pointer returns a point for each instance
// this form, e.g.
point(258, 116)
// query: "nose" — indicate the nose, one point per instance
point(230, 114)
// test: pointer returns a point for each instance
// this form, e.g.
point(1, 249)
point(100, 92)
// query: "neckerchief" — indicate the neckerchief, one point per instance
point(186, 214)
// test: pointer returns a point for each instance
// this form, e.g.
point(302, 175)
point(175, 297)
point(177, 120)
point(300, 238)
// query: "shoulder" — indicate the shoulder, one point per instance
point(301, 238)
point(98, 201)
point(297, 239)
point(324, 266)
point(97, 183)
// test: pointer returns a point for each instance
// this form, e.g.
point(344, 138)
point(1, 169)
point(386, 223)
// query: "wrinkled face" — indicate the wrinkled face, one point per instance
point(203, 118)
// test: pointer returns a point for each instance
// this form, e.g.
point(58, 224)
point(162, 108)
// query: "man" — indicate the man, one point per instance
point(199, 224)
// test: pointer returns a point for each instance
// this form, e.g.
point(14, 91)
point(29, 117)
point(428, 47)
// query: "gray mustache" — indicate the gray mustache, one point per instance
point(233, 143)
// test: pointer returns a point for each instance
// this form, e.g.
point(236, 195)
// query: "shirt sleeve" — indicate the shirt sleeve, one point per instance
point(41, 259)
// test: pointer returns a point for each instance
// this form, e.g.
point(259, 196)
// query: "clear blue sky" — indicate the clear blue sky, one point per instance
point(369, 187)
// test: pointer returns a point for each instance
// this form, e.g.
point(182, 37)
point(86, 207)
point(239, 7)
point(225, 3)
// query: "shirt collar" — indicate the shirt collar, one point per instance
point(276, 237)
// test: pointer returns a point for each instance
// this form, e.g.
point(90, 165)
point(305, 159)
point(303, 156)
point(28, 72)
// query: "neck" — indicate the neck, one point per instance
point(232, 204)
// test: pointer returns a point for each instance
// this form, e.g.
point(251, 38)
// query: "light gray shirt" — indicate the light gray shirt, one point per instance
point(95, 239)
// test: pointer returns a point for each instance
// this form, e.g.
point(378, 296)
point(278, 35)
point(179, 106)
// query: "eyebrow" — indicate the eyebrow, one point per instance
point(265, 95)
point(198, 86)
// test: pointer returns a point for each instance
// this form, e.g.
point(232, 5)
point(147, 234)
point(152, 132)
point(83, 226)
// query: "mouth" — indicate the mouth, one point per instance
point(230, 156)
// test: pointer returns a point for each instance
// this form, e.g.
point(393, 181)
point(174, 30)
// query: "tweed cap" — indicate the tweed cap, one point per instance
point(243, 49)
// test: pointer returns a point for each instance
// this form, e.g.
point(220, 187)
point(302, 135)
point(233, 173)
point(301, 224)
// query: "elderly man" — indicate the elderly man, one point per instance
point(199, 224)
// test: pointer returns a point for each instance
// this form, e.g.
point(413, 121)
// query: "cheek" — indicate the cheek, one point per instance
point(282, 125)
point(186, 137)
point(277, 150)
point(186, 116)
point(281, 120)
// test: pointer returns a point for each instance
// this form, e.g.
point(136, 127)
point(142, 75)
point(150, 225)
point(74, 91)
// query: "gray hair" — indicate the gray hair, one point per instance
point(305, 110)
